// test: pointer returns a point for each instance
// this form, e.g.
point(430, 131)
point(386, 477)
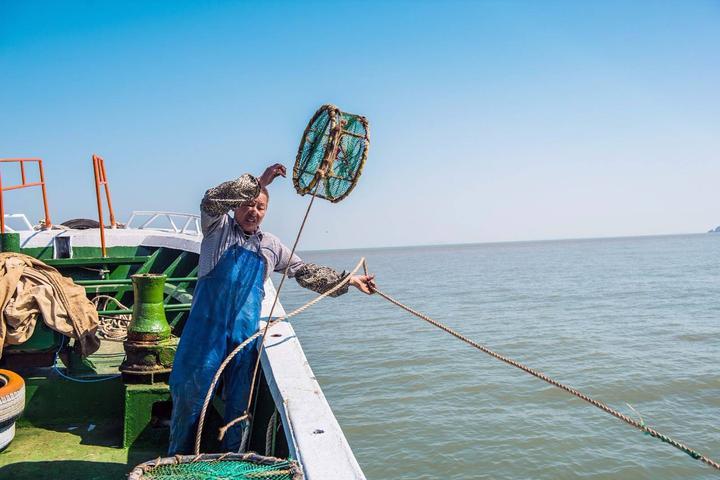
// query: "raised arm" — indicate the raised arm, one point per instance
point(232, 194)
point(229, 195)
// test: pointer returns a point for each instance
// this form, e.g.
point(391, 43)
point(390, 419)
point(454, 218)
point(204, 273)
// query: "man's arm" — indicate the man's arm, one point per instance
point(308, 275)
point(225, 197)
point(320, 279)
point(317, 278)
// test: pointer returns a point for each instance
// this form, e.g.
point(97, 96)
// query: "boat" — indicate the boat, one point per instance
point(96, 418)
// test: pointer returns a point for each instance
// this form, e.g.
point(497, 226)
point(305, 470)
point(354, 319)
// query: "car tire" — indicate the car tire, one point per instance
point(6, 436)
point(12, 398)
point(81, 223)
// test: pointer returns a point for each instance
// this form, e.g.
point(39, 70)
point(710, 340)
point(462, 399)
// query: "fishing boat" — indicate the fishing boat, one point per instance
point(97, 417)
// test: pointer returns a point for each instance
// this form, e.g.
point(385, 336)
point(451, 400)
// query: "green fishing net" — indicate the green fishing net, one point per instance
point(218, 467)
point(336, 143)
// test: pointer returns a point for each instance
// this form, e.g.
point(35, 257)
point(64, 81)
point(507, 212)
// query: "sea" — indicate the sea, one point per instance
point(632, 322)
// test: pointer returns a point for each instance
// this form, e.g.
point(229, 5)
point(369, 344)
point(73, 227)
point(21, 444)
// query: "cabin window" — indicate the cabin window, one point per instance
point(63, 247)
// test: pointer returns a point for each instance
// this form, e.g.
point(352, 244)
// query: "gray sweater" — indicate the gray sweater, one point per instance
point(221, 232)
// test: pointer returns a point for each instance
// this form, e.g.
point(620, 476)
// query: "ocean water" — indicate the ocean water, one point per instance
point(628, 321)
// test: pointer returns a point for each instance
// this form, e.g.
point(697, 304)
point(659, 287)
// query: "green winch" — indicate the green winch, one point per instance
point(149, 348)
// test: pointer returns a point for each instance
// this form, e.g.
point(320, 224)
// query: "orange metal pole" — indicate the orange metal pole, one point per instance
point(107, 194)
point(99, 204)
point(2, 208)
point(24, 184)
point(18, 187)
point(48, 222)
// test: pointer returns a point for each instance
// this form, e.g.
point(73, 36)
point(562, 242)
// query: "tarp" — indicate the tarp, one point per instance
point(28, 288)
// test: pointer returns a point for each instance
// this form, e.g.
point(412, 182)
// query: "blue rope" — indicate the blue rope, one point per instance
point(79, 380)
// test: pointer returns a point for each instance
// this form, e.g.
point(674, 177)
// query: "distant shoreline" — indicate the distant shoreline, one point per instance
point(502, 242)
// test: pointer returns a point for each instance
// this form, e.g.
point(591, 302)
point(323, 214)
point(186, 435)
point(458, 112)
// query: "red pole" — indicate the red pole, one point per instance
point(107, 194)
point(99, 204)
point(2, 208)
point(48, 223)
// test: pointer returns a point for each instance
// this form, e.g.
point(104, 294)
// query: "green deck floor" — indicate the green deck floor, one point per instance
point(72, 430)
point(59, 453)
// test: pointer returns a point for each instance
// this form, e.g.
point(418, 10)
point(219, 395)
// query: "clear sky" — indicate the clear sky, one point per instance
point(490, 120)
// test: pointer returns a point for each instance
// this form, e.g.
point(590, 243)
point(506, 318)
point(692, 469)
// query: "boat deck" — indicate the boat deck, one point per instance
point(72, 432)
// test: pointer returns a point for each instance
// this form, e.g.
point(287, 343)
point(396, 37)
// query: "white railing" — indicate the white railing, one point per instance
point(190, 223)
point(18, 216)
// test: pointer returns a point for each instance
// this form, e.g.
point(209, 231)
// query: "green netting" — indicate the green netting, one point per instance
point(218, 467)
point(220, 470)
point(339, 140)
point(312, 150)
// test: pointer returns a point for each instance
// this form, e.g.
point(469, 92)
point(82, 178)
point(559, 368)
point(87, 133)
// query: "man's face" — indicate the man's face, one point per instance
point(250, 215)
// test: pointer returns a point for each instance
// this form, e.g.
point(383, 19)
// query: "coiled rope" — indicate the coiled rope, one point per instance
point(640, 425)
point(257, 334)
point(111, 327)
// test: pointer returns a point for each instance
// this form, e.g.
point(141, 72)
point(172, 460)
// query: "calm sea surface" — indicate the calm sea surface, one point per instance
point(629, 320)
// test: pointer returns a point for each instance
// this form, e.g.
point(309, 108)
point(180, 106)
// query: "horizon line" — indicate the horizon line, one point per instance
point(568, 239)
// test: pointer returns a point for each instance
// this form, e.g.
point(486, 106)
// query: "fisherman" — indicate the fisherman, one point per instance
point(236, 258)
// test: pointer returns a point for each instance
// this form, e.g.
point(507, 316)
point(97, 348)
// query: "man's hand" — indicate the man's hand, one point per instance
point(271, 173)
point(364, 283)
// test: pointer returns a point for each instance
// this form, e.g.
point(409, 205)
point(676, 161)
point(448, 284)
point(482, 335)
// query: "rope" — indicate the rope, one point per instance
point(640, 425)
point(73, 379)
point(112, 327)
point(237, 349)
point(245, 435)
point(224, 429)
point(270, 434)
point(277, 296)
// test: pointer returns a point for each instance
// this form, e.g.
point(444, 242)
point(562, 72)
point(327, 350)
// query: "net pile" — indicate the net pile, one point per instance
point(332, 153)
point(233, 466)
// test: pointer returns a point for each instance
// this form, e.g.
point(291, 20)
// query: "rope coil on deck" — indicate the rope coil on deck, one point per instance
point(640, 425)
point(111, 327)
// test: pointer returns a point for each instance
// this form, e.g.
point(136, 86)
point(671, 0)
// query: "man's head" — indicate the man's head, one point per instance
point(250, 215)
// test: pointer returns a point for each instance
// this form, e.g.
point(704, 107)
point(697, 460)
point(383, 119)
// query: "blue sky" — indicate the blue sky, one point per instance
point(490, 120)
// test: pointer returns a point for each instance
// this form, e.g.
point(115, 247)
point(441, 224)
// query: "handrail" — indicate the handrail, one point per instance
point(190, 225)
point(24, 184)
point(20, 216)
point(101, 179)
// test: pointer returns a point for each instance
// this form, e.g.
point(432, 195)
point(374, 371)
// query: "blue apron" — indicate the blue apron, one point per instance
point(224, 313)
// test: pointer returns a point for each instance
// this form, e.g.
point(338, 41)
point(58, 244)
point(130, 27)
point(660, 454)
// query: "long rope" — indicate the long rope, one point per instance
point(275, 301)
point(228, 359)
point(640, 425)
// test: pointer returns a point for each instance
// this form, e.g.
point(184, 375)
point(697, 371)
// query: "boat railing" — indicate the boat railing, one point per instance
point(21, 218)
point(186, 223)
